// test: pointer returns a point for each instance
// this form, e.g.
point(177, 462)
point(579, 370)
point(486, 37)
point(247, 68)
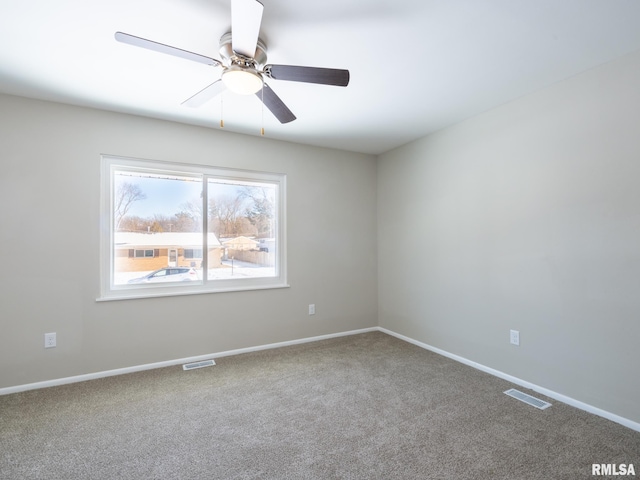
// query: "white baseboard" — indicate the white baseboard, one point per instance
point(169, 363)
point(149, 366)
point(544, 391)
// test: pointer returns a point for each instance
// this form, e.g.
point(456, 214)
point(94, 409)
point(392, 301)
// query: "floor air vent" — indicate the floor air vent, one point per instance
point(523, 397)
point(192, 366)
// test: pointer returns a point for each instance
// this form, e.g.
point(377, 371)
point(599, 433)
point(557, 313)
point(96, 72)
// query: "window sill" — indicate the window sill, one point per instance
point(133, 295)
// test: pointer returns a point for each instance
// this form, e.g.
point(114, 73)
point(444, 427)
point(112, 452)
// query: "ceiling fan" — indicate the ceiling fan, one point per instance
point(244, 67)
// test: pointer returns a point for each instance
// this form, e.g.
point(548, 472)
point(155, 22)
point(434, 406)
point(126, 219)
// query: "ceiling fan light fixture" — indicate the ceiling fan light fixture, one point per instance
point(243, 81)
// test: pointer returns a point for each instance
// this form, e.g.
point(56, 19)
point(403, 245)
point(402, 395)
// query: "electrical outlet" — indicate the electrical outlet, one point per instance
point(49, 340)
point(312, 309)
point(514, 336)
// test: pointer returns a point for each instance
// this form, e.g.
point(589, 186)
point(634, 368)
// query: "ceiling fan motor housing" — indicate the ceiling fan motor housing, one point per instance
point(227, 53)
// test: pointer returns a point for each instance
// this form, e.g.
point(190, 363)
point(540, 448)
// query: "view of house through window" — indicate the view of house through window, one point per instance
point(158, 220)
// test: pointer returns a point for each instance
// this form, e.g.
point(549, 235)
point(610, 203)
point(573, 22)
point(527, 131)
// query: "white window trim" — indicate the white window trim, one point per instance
point(109, 291)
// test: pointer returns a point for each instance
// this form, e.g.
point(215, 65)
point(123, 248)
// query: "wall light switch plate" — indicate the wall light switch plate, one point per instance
point(312, 309)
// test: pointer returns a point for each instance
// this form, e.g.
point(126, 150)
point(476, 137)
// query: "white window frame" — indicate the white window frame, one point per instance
point(111, 291)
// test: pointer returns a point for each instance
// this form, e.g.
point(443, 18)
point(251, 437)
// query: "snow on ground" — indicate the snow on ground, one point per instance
point(230, 269)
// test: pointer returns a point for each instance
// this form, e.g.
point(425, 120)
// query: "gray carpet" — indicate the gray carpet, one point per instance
point(368, 406)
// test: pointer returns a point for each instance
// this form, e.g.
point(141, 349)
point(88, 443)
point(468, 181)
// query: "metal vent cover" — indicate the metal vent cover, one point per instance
point(194, 365)
point(523, 397)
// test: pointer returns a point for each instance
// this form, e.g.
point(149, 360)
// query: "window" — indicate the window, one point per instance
point(142, 253)
point(192, 253)
point(173, 229)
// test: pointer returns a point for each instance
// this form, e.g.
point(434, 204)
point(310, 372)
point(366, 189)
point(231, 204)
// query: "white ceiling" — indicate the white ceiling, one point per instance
point(416, 65)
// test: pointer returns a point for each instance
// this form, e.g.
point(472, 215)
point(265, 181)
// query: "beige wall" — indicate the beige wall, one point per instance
point(49, 201)
point(526, 217)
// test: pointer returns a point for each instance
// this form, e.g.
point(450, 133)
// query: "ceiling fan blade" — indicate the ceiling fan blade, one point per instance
point(162, 48)
point(246, 17)
point(204, 95)
point(324, 76)
point(275, 105)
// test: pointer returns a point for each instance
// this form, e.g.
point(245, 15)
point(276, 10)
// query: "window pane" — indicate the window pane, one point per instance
point(242, 215)
point(158, 215)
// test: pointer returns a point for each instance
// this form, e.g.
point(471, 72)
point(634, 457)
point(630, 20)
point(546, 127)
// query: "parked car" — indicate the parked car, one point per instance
point(169, 274)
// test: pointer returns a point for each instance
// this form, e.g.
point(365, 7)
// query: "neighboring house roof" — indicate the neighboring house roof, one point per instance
point(240, 241)
point(163, 239)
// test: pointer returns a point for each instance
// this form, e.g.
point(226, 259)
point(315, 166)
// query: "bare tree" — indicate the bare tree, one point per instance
point(189, 217)
point(185, 222)
point(261, 211)
point(225, 215)
point(133, 223)
point(126, 194)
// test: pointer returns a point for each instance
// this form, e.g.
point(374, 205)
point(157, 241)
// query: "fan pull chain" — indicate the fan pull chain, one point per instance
point(221, 112)
point(262, 119)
